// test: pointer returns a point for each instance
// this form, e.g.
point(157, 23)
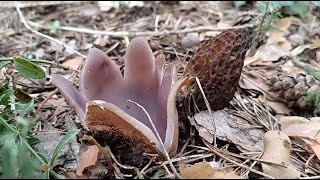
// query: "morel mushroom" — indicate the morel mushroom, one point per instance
point(102, 100)
point(218, 64)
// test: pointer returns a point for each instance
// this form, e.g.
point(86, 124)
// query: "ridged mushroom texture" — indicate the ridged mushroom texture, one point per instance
point(102, 100)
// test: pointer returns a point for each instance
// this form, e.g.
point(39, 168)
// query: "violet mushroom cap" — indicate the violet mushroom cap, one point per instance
point(102, 100)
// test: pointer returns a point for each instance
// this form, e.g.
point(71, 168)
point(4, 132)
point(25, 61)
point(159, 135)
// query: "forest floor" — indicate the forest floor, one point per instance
point(267, 98)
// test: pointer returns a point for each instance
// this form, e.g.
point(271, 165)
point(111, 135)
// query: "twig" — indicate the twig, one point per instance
point(23, 20)
point(159, 138)
point(146, 167)
point(117, 162)
point(136, 33)
point(210, 112)
point(312, 177)
point(44, 101)
point(183, 147)
point(234, 162)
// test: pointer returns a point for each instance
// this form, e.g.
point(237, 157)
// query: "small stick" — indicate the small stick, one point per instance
point(44, 101)
point(136, 33)
point(159, 138)
point(210, 112)
point(23, 20)
point(234, 162)
point(312, 177)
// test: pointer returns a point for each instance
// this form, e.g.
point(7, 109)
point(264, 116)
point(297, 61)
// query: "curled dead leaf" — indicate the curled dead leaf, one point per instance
point(87, 159)
point(300, 127)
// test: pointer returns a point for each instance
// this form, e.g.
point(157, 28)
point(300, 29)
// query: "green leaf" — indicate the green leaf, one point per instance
point(64, 140)
point(312, 71)
point(5, 135)
point(5, 100)
point(36, 163)
point(33, 140)
point(238, 4)
point(43, 158)
point(29, 69)
point(4, 63)
point(158, 174)
point(140, 175)
point(301, 8)
point(310, 97)
point(22, 96)
point(6, 125)
point(27, 108)
point(54, 26)
point(8, 156)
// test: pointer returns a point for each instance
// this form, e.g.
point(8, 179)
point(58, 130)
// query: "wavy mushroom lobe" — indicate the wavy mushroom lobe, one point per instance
point(71, 94)
point(100, 78)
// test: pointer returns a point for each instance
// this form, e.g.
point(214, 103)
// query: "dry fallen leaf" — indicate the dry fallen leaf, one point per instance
point(203, 170)
point(277, 149)
point(283, 23)
point(309, 130)
point(229, 128)
point(248, 81)
point(272, 52)
point(286, 121)
point(302, 128)
point(278, 107)
point(87, 159)
point(316, 42)
point(73, 63)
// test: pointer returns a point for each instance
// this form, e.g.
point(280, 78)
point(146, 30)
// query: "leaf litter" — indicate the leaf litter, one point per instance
point(253, 111)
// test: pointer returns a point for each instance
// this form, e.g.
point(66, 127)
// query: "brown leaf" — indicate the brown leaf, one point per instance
point(309, 130)
point(286, 121)
point(73, 63)
point(316, 42)
point(87, 159)
point(278, 107)
point(285, 45)
point(271, 52)
point(281, 26)
point(316, 149)
point(229, 128)
point(203, 170)
point(283, 23)
point(248, 60)
point(44, 167)
point(304, 129)
point(248, 81)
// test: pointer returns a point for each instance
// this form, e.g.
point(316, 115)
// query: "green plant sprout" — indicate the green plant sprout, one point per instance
point(17, 158)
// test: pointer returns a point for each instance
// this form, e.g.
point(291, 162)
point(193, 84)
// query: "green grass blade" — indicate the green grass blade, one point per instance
point(27, 108)
point(64, 140)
